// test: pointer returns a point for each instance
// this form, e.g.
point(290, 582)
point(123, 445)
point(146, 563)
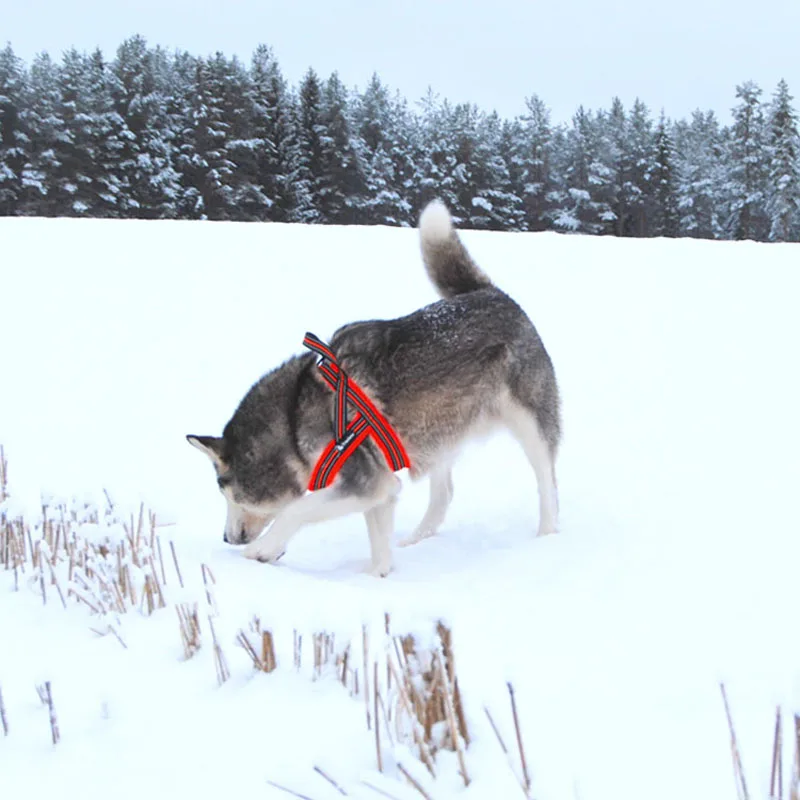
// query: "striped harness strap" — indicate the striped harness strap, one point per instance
point(349, 434)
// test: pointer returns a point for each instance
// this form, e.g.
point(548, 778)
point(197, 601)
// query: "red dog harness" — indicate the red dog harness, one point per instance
point(368, 421)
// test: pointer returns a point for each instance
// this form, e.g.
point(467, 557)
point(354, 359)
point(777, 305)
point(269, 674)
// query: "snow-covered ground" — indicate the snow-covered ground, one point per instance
point(676, 567)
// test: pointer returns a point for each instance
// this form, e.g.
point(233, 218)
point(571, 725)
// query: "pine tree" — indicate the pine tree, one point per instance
point(72, 189)
point(341, 180)
point(747, 167)
point(104, 128)
point(638, 188)
point(666, 217)
point(496, 206)
point(700, 176)
point(272, 130)
point(45, 130)
point(383, 150)
point(306, 153)
point(783, 202)
point(537, 179)
point(582, 202)
point(147, 178)
point(13, 138)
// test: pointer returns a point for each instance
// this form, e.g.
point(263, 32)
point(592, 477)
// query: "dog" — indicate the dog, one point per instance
point(444, 374)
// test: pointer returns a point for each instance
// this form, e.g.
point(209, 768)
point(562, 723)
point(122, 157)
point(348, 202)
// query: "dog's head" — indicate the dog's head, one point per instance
point(255, 477)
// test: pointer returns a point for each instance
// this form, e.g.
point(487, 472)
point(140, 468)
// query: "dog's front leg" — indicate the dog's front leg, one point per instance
point(316, 506)
point(380, 524)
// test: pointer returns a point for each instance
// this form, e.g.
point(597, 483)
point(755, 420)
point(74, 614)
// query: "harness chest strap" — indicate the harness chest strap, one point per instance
point(350, 433)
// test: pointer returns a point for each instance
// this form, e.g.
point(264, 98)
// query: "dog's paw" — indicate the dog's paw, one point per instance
point(547, 530)
point(379, 570)
point(264, 551)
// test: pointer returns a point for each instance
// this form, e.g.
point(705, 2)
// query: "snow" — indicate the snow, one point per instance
point(675, 569)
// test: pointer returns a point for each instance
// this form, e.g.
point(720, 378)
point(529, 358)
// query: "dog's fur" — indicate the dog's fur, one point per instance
point(450, 371)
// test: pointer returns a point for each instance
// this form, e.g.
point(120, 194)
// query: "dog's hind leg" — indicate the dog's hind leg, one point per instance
point(440, 499)
point(524, 426)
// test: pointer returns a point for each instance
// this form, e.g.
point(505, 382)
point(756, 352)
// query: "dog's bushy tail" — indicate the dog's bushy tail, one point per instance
point(450, 267)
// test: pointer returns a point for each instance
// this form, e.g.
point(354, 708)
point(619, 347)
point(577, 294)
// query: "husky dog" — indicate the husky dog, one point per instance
point(446, 373)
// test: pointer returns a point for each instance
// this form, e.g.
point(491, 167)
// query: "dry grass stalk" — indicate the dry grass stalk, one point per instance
point(190, 628)
point(265, 661)
point(776, 776)
point(330, 780)
point(425, 689)
point(365, 647)
point(209, 581)
point(289, 791)
point(3, 475)
point(446, 638)
point(161, 559)
point(244, 642)
point(794, 789)
point(298, 650)
point(46, 696)
point(738, 771)
point(175, 561)
point(3, 715)
point(223, 673)
point(375, 789)
point(413, 782)
point(386, 629)
point(377, 693)
point(496, 731)
point(341, 663)
point(523, 761)
point(268, 651)
point(416, 728)
point(447, 695)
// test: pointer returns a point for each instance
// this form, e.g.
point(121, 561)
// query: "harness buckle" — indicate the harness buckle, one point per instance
point(345, 441)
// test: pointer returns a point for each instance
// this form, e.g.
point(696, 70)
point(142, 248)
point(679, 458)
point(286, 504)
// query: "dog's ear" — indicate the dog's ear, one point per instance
point(210, 445)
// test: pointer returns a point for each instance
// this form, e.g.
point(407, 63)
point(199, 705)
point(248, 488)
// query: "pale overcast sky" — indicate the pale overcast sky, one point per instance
point(675, 54)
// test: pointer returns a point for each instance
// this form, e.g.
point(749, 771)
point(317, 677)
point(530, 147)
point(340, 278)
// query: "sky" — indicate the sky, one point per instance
point(677, 55)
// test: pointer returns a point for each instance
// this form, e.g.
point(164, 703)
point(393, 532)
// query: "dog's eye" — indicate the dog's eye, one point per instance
point(224, 480)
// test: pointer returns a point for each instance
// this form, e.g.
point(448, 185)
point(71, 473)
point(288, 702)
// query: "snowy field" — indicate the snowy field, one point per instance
point(676, 567)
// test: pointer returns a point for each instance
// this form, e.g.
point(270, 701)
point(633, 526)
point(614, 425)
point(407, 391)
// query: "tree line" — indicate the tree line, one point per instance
point(154, 134)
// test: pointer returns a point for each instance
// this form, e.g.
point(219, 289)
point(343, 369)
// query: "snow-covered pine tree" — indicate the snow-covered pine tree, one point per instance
point(105, 129)
point(512, 147)
point(72, 190)
point(581, 203)
point(700, 176)
point(207, 162)
point(638, 187)
point(783, 200)
point(341, 184)
point(495, 204)
point(272, 130)
point(305, 151)
point(180, 131)
point(747, 167)
point(13, 138)
point(535, 153)
point(435, 148)
point(405, 145)
point(147, 178)
point(665, 216)
point(383, 153)
point(242, 146)
point(45, 130)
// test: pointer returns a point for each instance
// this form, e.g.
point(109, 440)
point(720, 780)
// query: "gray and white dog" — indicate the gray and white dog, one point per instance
point(446, 373)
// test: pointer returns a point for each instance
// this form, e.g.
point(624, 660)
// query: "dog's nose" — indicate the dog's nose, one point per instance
point(225, 537)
